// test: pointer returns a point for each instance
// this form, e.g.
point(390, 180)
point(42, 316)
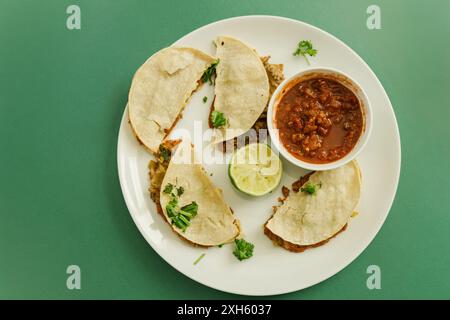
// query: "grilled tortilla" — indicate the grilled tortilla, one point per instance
point(161, 89)
point(304, 220)
point(214, 223)
point(242, 87)
point(276, 76)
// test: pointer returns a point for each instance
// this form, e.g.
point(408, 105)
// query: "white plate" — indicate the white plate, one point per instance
point(272, 270)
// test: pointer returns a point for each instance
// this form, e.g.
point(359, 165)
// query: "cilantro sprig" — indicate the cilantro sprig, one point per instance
point(180, 217)
point(243, 249)
point(210, 73)
point(304, 48)
point(311, 188)
point(165, 153)
point(218, 119)
point(168, 188)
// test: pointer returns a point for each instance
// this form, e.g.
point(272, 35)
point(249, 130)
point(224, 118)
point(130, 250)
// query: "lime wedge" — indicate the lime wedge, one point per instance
point(255, 169)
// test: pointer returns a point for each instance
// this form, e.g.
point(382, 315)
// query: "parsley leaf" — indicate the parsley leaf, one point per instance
point(210, 73)
point(243, 249)
point(311, 188)
point(304, 48)
point(205, 98)
point(168, 188)
point(218, 119)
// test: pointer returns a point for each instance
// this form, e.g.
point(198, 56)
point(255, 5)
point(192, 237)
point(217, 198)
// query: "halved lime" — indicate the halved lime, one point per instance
point(255, 169)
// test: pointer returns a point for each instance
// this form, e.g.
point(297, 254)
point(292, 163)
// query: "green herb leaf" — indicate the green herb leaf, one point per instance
point(176, 221)
point(168, 188)
point(243, 249)
point(173, 202)
point(171, 212)
point(181, 217)
point(205, 98)
point(165, 153)
point(184, 220)
point(186, 214)
point(191, 208)
point(304, 48)
point(171, 208)
point(180, 191)
point(199, 258)
point(218, 119)
point(209, 74)
point(311, 188)
point(220, 245)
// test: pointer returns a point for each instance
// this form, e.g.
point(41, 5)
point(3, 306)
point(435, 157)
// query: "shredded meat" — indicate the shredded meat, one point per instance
point(285, 191)
point(274, 72)
point(300, 182)
point(295, 247)
point(157, 170)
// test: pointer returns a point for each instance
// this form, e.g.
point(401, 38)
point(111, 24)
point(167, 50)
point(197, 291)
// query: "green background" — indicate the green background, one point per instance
point(62, 94)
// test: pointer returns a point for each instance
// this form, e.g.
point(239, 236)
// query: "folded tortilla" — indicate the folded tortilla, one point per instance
point(161, 89)
point(242, 87)
point(305, 220)
point(214, 223)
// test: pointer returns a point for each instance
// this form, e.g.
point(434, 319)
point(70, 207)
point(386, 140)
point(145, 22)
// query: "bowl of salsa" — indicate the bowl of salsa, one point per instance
point(319, 119)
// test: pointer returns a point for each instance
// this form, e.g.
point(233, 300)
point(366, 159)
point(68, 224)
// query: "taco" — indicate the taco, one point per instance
point(320, 208)
point(161, 89)
point(241, 89)
point(188, 200)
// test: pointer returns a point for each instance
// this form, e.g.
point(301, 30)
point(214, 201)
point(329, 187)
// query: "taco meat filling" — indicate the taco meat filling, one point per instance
point(157, 170)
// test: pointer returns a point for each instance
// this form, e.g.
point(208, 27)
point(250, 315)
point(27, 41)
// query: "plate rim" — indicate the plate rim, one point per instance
point(376, 228)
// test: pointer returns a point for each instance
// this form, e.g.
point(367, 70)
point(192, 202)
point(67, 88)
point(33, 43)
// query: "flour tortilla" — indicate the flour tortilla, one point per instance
point(242, 87)
point(306, 220)
point(214, 223)
point(160, 90)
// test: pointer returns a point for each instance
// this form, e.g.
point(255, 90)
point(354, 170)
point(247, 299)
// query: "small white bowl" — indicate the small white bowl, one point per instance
point(346, 81)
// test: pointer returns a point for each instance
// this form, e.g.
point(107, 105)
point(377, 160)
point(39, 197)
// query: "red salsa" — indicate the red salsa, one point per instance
point(319, 120)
